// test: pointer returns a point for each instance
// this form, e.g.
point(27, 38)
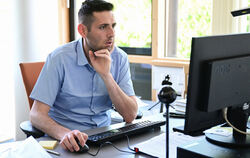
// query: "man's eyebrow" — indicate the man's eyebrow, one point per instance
point(104, 24)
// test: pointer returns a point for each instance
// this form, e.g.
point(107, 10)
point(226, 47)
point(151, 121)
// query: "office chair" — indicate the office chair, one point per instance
point(30, 73)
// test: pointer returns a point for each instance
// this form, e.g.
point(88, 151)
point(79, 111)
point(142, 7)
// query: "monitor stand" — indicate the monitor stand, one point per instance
point(193, 133)
point(238, 117)
point(228, 141)
point(204, 149)
point(175, 115)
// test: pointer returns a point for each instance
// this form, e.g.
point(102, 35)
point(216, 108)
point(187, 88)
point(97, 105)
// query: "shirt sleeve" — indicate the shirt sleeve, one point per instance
point(49, 81)
point(125, 82)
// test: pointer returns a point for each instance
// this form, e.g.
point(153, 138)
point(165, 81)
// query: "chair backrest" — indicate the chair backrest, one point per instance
point(30, 73)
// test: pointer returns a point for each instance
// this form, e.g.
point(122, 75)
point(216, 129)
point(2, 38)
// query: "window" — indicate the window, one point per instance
point(140, 32)
point(173, 24)
point(184, 20)
point(194, 19)
point(245, 18)
point(133, 31)
point(133, 35)
point(168, 26)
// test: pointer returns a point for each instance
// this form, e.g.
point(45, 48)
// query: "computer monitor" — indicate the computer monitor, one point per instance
point(219, 77)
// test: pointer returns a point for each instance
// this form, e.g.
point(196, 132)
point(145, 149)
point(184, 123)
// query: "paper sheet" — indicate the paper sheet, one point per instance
point(25, 149)
point(140, 103)
point(157, 145)
point(4, 137)
point(222, 131)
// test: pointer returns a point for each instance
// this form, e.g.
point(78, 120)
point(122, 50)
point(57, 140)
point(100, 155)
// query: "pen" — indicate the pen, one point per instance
point(53, 152)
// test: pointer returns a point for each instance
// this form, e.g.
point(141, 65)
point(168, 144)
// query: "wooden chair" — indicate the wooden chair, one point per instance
point(30, 73)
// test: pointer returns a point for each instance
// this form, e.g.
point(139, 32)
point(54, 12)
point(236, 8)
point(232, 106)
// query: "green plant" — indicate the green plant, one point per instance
point(194, 19)
point(133, 22)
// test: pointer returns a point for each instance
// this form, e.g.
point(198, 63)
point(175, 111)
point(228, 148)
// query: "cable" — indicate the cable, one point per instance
point(154, 105)
point(157, 104)
point(225, 117)
point(136, 150)
point(110, 144)
point(128, 144)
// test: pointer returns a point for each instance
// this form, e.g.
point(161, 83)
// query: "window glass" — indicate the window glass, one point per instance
point(133, 29)
point(133, 23)
point(194, 19)
point(248, 19)
point(141, 78)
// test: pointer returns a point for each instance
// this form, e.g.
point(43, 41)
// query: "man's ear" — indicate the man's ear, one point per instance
point(82, 30)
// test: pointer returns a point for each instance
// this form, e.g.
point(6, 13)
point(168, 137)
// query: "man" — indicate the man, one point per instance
point(81, 80)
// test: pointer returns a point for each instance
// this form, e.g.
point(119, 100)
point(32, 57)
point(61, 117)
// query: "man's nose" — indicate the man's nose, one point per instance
point(111, 32)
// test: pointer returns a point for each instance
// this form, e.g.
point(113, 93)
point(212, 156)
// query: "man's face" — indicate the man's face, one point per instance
point(102, 33)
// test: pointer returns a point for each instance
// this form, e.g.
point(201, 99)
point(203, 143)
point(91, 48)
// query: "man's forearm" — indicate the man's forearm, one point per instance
point(40, 119)
point(50, 127)
point(124, 104)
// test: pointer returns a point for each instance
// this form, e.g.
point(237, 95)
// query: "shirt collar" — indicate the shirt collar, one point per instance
point(81, 58)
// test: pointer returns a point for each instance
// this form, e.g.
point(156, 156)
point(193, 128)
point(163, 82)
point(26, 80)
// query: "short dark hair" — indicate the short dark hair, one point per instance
point(85, 14)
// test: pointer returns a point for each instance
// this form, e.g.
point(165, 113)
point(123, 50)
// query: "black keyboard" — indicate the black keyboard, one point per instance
point(126, 130)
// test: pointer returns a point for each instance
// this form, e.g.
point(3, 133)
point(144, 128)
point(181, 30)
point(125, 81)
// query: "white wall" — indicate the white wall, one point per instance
point(35, 36)
point(6, 67)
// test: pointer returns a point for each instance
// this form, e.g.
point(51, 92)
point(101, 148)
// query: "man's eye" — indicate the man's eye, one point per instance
point(102, 27)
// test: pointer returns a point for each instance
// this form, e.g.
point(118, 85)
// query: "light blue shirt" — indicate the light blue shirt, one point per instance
point(75, 92)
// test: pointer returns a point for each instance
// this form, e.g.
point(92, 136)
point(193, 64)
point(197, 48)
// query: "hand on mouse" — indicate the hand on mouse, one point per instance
point(83, 149)
point(68, 142)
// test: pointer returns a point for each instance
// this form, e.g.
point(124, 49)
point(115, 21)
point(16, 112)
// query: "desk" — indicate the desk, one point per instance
point(107, 151)
point(110, 151)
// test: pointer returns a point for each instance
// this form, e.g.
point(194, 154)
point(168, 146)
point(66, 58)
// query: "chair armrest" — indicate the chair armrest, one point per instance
point(29, 130)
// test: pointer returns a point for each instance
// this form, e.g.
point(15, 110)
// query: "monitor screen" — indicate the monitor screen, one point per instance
point(207, 53)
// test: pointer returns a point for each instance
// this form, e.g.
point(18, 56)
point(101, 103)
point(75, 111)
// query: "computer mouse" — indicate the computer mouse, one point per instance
point(139, 115)
point(82, 149)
